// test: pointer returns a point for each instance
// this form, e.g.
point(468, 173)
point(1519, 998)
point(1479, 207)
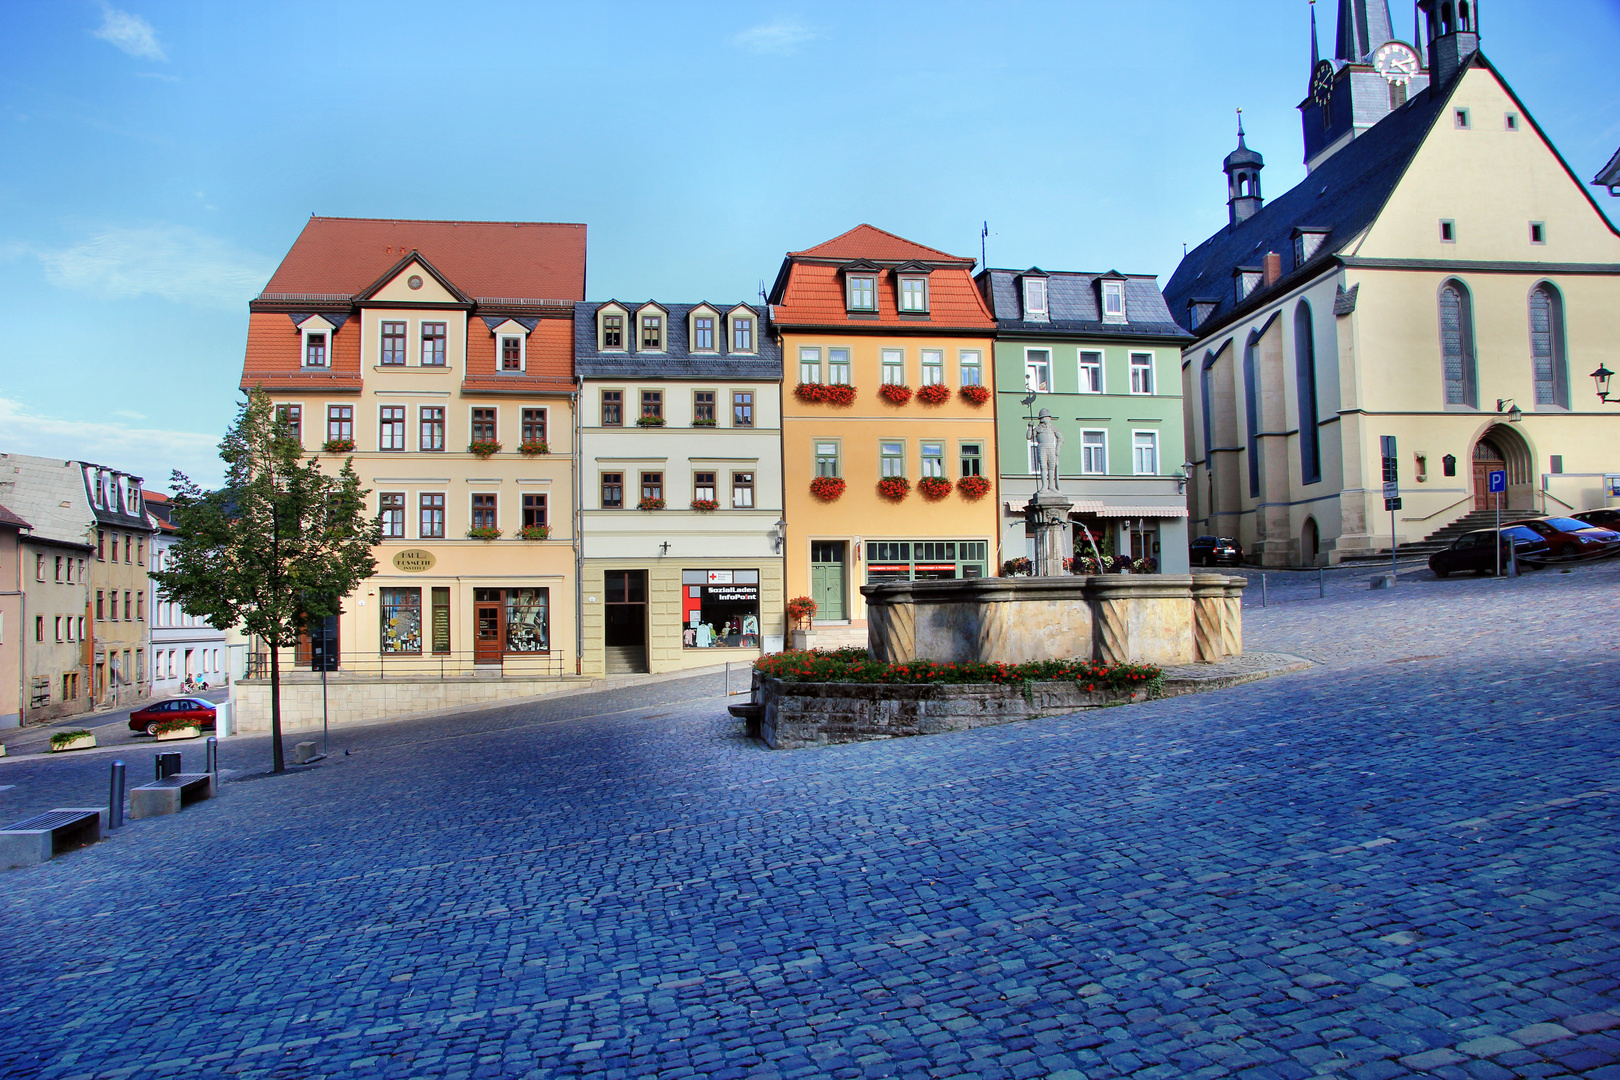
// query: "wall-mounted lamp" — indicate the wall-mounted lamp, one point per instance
point(1514, 414)
point(1187, 468)
point(779, 534)
point(1602, 376)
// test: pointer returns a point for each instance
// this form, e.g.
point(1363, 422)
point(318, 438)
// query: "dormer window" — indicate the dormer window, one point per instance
point(1307, 242)
point(861, 292)
point(315, 349)
point(652, 333)
point(1035, 298)
point(914, 295)
point(1199, 310)
point(611, 330)
point(1113, 301)
point(742, 334)
point(1245, 279)
point(703, 333)
point(511, 347)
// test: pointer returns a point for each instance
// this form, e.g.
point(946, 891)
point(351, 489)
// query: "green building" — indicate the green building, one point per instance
point(1103, 355)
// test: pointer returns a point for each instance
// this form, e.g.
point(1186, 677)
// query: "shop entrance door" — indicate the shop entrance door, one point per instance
point(827, 579)
point(625, 621)
point(488, 634)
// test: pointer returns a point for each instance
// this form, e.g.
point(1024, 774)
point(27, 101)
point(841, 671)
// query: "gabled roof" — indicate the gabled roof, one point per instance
point(1072, 304)
point(676, 359)
point(869, 242)
point(398, 268)
point(342, 256)
point(1609, 176)
point(15, 522)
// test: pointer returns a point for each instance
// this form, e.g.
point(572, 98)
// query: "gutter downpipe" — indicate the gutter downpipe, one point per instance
point(576, 395)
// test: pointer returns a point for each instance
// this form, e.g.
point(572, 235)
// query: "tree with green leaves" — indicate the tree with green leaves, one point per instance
point(279, 545)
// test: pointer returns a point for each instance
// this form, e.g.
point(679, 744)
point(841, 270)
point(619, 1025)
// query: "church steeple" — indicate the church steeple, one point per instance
point(1453, 35)
point(1370, 75)
point(1242, 168)
point(1363, 26)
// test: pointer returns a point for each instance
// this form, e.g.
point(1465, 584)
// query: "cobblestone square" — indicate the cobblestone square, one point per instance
point(1400, 862)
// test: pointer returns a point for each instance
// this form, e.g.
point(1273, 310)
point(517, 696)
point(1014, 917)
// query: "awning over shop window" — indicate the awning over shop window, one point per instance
point(1138, 511)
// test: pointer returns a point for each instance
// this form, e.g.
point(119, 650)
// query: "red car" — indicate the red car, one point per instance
point(1569, 538)
point(1607, 518)
point(194, 710)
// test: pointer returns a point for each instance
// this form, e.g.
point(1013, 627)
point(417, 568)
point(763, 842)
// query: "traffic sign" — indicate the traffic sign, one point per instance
point(1498, 480)
point(1392, 504)
point(1392, 489)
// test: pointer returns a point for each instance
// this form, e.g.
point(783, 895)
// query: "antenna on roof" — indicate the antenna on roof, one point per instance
point(984, 231)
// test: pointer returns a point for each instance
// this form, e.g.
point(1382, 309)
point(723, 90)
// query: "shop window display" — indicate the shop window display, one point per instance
point(401, 620)
point(720, 609)
point(528, 628)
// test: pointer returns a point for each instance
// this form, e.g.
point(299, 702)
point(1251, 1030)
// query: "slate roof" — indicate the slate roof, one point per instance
point(1344, 195)
point(676, 361)
point(343, 256)
point(1072, 303)
point(1609, 176)
point(37, 488)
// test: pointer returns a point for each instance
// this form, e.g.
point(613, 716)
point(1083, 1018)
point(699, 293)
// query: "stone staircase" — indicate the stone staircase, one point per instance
point(1443, 536)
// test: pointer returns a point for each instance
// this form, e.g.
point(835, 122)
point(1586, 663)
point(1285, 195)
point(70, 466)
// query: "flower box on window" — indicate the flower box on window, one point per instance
point(894, 487)
point(338, 446)
point(704, 423)
point(973, 487)
point(483, 449)
point(978, 395)
point(535, 532)
point(897, 393)
point(934, 394)
point(650, 504)
point(534, 449)
point(483, 532)
point(933, 488)
point(827, 488)
point(649, 421)
point(825, 393)
point(705, 506)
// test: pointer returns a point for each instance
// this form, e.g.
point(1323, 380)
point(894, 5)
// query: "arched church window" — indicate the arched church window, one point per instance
point(1457, 345)
point(1310, 438)
point(1251, 405)
point(1204, 388)
point(1548, 363)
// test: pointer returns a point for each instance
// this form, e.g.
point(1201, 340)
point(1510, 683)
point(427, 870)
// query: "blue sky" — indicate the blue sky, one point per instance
point(162, 156)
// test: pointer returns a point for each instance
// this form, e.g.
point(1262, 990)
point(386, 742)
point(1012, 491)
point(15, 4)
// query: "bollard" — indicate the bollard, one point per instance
point(115, 796)
point(1321, 584)
point(212, 747)
point(1262, 590)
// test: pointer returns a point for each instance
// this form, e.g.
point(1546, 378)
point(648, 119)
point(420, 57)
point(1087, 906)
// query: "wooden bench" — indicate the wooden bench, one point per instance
point(33, 840)
point(168, 795)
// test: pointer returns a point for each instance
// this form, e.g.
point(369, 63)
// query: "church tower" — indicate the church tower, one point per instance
point(1371, 74)
point(1242, 167)
point(1453, 27)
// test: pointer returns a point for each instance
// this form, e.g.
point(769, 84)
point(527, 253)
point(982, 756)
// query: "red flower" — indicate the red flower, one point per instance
point(934, 488)
point(894, 488)
point(898, 393)
point(973, 487)
point(977, 395)
point(827, 488)
point(934, 394)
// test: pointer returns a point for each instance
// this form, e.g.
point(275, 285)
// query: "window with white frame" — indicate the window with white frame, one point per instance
point(1093, 453)
point(315, 354)
point(894, 367)
point(1038, 370)
point(1141, 373)
point(433, 344)
point(971, 362)
point(1091, 372)
point(1113, 301)
point(861, 292)
point(742, 490)
point(809, 364)
point(914, 295)
point(933, 366)
point(391, 427)
point(892, 456)
point(1034, 298)
point(1145, 453)
point(393, 514)
point(393, 343)
point(933, 458)
point(827, 459)
point(511, 352)
point(838, 367)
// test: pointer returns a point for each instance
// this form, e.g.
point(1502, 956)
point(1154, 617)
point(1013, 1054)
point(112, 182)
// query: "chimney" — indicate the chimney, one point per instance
point(1273, 269)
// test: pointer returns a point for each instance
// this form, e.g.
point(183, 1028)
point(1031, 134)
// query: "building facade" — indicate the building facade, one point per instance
point(681, 476)
point(119, 585)
point(1102, 354)
point(436, 356)
point(888, 438)
point(183, 646)
point(1441, 278)
point(11, 618)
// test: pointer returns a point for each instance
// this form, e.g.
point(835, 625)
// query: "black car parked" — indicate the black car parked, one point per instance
point(1209, 550)
point(1608, 519)
point(1473, 551)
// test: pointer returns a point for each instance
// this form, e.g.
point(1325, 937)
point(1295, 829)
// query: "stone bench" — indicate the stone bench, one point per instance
point(750, 715)
point(33, 840)
point(168, 795)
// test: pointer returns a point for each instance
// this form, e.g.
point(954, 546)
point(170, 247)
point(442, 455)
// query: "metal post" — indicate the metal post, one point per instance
point(213, 760)
point(1262, 590)
point(1394, 546)
point(728, 678)
point(1321, 584)
point(324, 732)
point(1498, 544)
point(115, 796)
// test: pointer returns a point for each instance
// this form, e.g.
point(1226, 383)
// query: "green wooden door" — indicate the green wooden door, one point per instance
point(827, 579)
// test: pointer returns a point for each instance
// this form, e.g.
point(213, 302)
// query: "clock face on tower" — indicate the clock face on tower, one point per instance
point(1396, 61)
point(1322, 83)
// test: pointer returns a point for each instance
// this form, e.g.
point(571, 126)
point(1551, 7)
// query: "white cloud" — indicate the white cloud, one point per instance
point(131, 33)
point(779, 38)
point(170, 261)
point(150, 453)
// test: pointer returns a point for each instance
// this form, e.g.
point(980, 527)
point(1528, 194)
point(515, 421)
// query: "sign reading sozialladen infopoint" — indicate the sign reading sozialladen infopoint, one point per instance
point(414, 560)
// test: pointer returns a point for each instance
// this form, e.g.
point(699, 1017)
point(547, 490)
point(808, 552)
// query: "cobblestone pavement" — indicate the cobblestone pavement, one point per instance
point(1401, 861)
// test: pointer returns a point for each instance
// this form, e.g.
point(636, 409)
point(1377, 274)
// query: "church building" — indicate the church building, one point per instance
point(1440, 276)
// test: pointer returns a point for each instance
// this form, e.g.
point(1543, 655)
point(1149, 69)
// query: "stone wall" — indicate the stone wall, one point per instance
point(360, 700)
point(797, 715)
point(1113, 618)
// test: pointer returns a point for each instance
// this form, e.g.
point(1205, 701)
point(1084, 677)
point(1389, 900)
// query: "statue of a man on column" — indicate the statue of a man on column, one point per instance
point(1048, 444)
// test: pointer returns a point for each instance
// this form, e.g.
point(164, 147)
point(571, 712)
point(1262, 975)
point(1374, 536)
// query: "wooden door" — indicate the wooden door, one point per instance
point(488, 633)
point(1487, 459)
point(827, 579)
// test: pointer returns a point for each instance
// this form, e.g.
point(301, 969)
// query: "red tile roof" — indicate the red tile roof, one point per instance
point(273, 356)
point(869, 242)
point(813, 295)
point(342, 256)
point(549, 363)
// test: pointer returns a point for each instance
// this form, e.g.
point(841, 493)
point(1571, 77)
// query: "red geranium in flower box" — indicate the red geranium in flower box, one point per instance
point(978, 395)
point(827, 488)
point(933, 488)
point(898, 393)
point(973, 487)
point(934, 394)
point(705, 506)
point(894, 487)
point(825, 393)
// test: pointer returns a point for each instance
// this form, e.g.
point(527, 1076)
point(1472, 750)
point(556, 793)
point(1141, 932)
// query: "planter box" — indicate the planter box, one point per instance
point(797, 714)
point(83, 742)
point(179, 733)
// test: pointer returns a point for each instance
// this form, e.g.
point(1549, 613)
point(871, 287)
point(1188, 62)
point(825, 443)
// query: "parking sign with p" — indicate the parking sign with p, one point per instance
point(1498, 478)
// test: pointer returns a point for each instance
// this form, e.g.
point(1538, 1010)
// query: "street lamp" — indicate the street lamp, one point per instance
point(1187, 468)
point(779, 534)
point(1514, 413)
point(1602, 376)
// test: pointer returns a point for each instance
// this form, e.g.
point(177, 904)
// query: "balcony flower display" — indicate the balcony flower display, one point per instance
point(973, 487)
point(650, 504)
point(825, 393)
point(483, 449)
point(649, 421)
point(534, 448)
point(894, 488)
point(827, 488)
point(483, 532)
point(934, 394)
point(933, 488)
point(535, 532)
point(976, 394)
point(705, 506)
point(338, 446)
point(895, 393)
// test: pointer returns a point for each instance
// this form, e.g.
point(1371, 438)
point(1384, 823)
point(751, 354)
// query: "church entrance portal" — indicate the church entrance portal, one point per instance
point(1486, 459)
point(1501, 447)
